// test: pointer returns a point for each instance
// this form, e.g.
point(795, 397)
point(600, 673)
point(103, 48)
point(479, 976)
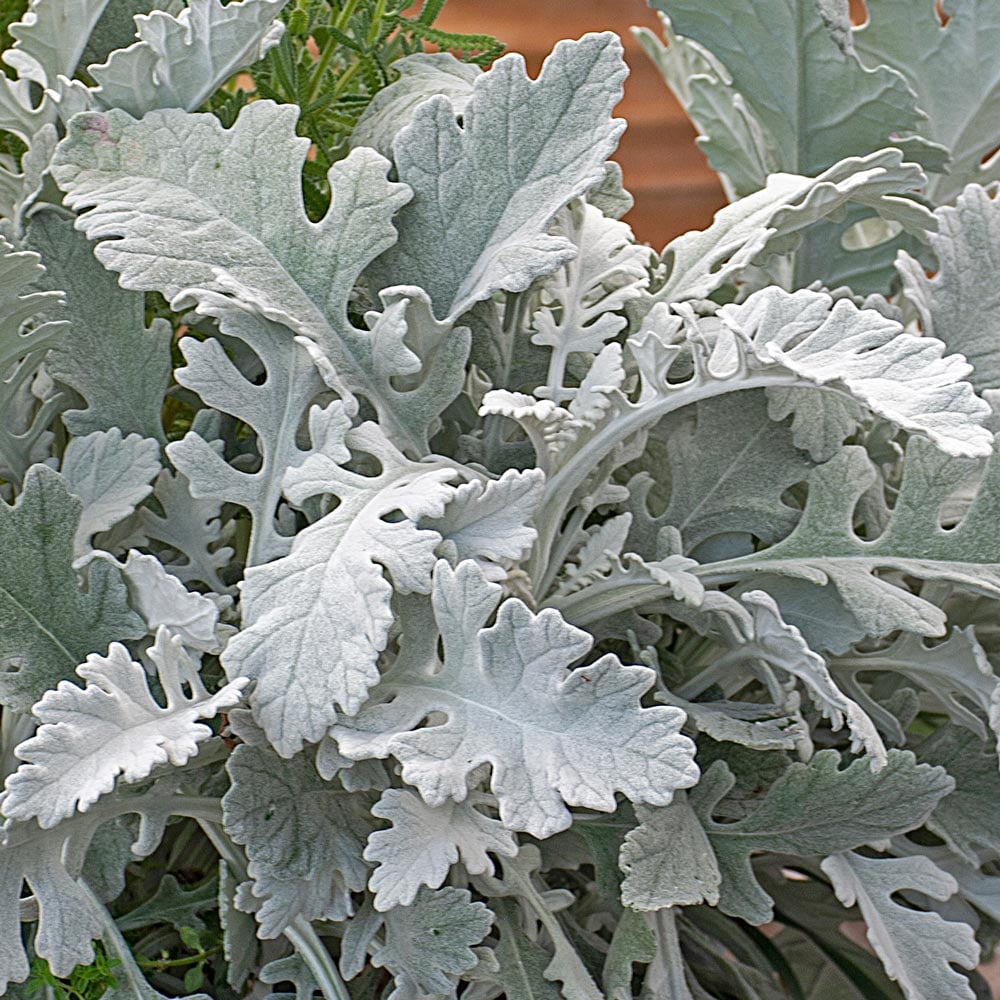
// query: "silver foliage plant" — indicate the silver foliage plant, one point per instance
point(517, 611)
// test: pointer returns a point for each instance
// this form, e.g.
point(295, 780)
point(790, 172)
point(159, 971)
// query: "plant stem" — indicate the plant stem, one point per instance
point(300, 933)
point(665, 976)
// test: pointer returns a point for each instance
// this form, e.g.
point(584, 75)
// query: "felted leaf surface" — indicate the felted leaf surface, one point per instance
point(191, 530)
point(110, 357)
point(781, 645)
point(179, 60)
point(723, 482)
point(581, 301)
point(485, 191)
point(961, 303)
point(917, 948)
point(813, 96)
point(967, 820)
point(667, 859)
point(490, 522)
point(553, 737)
point(274, 408)
point(21, 274)
point(823, 548)
point(423, 843)
point(420, 76)
point(303, 837)
point(50, 39)
point(111, 474)
point(811, 809)
point(429, 943)
point(911, 38)
point(772, 221)
point(955, 674)
point(522, 961)
point(900, 377)
point(186, 229)
point(48, 624)
point(112, 727)
point(316, 620)
point(162, 599)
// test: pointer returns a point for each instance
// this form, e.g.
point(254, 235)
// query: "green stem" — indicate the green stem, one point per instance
point(326, 56)
point(159, 964)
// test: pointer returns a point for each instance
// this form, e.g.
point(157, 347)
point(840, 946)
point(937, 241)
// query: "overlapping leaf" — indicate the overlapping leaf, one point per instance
point(49, 624)
point(553, 737)
point(316, 619)
point(179, 60)
point(112, 727)
point(185, 168)
point(485, 191)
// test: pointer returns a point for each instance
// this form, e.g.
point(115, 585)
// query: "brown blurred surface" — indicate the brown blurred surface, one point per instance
point(673, 186)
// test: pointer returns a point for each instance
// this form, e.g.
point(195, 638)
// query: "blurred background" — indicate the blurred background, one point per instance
point(673, 187)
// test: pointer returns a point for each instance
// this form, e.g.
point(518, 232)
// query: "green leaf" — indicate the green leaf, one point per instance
point(917, 948)
point(303, 837)
point(911, 39)
point(723, 483)
point(47, 624)
point(968, 819)
point(961, 303)
point(170, 904)
point(813, 808)
point(824, 548)
point(632, 943)
point(668, 860)
point(117, 364)
point(522, 960)
point(485, 192)
point(814, 98)
point(183, 167)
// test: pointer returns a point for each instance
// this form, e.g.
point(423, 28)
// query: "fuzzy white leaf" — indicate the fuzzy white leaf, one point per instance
point(420, 76)
point(552, 736)
point(180, 60)
point(425, 841)
point(783, 646)
point(163, 600)
point(486, 191)
point(903, 378)
point(111, 475)
point(667, 860)
point(917, 948)
point(490, 523)
point(316, 620)
point(114, 727)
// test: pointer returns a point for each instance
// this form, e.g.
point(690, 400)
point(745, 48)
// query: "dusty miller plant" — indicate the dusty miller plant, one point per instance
point(498, 607)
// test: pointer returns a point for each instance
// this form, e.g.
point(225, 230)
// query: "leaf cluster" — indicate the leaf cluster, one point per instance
point(415, 588)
